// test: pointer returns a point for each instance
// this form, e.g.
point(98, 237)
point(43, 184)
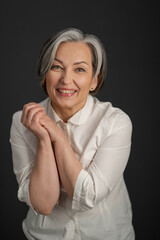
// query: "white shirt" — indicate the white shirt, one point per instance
point(100, 136)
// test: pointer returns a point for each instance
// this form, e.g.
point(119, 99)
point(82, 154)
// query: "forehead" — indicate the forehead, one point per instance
point(74, 50)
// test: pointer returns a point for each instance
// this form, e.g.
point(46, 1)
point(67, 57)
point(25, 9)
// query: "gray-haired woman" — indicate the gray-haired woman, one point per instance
point(70, 151)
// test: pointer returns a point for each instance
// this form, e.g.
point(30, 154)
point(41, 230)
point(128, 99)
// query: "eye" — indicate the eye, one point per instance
point(56, 67)
point(80, 69)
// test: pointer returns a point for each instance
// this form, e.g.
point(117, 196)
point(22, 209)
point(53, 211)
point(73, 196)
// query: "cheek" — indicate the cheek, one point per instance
point(87, 84)
point(84, 81)
point(47, 83)
point(49, 86)
point(50, 81)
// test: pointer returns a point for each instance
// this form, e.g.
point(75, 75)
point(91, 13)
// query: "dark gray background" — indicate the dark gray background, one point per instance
point(130, 33)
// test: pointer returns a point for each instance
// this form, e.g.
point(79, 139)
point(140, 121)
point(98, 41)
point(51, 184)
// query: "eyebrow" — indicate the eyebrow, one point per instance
point(76, 63)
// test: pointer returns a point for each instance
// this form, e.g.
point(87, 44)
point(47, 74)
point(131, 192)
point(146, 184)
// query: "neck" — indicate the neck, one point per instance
point(64, 114)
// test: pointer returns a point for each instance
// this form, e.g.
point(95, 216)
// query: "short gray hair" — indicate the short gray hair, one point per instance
point(48, 52)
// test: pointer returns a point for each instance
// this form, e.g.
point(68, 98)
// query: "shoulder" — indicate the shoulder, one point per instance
point(44, 103)
point(16, 118)
point(114, 116)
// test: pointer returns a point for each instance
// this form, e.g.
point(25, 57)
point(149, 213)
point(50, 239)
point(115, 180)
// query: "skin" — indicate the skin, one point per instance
point(44, 186)
point(71, 70)
point(68, 83)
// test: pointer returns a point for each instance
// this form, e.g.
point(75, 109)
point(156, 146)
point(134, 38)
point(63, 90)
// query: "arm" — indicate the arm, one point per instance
point(69, 166)
point(88, 187)
point(44, 180)
point(107, 167)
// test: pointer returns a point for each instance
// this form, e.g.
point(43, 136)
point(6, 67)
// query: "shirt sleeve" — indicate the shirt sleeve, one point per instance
point(23, 158)
point(107, 167)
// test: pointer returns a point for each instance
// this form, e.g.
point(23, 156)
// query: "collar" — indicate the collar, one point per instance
point(79, 117)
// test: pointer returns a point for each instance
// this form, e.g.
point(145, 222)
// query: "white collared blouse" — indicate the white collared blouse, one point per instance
point(100, 136)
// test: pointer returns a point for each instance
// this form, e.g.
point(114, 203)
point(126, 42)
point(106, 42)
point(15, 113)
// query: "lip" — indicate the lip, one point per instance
point(66, 92)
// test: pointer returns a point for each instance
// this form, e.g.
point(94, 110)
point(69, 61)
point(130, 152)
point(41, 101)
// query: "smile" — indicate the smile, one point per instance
point(66, 92)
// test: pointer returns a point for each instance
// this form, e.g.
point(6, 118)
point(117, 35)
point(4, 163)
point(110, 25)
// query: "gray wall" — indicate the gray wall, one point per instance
point(129, 31)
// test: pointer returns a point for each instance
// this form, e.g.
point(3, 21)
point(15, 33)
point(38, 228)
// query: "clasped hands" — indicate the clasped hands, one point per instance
point(35, 119)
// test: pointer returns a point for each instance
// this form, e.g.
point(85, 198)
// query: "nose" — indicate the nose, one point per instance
point(67, 77)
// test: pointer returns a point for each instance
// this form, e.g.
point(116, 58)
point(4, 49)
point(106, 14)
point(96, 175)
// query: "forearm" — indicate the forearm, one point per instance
point(69, 166)
point(44, 180)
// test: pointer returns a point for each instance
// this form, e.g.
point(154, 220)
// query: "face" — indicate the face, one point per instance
point(70, 78)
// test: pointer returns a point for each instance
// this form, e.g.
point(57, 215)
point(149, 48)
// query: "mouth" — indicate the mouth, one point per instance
point(66, 92)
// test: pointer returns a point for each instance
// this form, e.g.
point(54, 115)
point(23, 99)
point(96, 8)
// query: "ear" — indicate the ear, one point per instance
point(94, 84)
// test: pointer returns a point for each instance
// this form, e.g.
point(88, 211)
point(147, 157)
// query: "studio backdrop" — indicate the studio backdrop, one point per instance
point(129, 32)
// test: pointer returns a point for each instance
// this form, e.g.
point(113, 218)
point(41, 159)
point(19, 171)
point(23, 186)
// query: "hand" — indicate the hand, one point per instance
point(32, 112)
point(51, 127)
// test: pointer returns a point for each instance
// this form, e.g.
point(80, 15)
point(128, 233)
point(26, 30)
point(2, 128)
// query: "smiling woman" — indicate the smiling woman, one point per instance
point(70, 80)
point(49, 50)
point(70, 151)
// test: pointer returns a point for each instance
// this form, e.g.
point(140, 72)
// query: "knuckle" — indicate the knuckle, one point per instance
point(25, 106)
point(36, 117)
point(30, 110)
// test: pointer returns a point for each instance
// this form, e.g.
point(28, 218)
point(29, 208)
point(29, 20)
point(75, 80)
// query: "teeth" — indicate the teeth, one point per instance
point(66, 91)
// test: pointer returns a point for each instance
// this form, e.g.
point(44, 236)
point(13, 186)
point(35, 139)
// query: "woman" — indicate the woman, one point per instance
point(70, 151)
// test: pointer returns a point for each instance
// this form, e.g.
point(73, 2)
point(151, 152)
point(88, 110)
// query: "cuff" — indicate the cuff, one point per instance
point(23, 195)
point(80, 200)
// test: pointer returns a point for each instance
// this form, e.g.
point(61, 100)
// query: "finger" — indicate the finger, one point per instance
point(47, 123)
point(37, 116)
point(32, 112)
point(26, 107)
point(36, 127)
point(29, 111)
